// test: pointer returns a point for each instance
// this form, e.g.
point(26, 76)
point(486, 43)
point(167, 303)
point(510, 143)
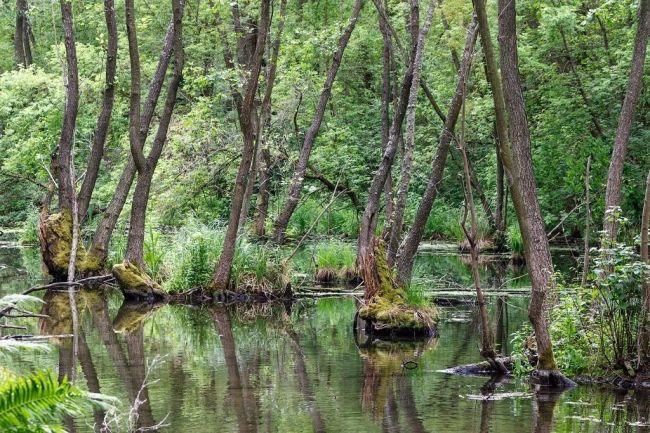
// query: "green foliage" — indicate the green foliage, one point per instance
point(595, 328)
point(415, 296)
point(29, 234)
point(154, 252)
point(443, 223)
point(514, 240)
point(36, 402)
point(193, 252)
point(334, 254)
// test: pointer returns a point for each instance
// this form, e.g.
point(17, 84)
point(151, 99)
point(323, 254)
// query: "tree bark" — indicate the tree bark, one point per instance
point(409, 246)
point(585, 255)
point(524, 190)
point(615, 174)
point(20, 38)
point(221, 277)
point(104, 231)
point(384, 111)
point(135, 241)
point(282, 221)
point(365, 242)
point(137, 151)
point(66, 187)
point(644, 332)
point(104, 119)
point(397, 218)
point(486, 335)
point(263, 154)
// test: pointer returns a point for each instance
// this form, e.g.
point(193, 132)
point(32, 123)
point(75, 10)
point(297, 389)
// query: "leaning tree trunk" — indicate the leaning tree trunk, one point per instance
point(486, 335)
point(265, 117)
point(135, 241)
point(412, 240)
point(56, 231)
point(644, 331)
point(221, 278)
point(103, 233)
point(130, 274)
point(365, 241)
point(298, 179)
point(615, 174)
point(104, 119)
point(524, 191)
point(397, 217)
point(384, 111)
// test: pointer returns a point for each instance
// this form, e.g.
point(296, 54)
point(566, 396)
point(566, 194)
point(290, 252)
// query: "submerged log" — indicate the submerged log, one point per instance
point(484, 368)
point(385, 310)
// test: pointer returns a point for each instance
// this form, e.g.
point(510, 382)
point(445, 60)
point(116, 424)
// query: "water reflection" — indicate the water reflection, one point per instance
point(251, 369)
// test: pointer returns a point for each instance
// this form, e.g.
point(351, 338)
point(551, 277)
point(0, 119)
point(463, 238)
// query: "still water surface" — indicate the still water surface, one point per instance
point(299, 367)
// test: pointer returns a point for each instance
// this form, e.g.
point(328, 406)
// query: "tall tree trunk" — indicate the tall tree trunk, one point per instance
point(397, 218)
point(263, 154)
point(365, 242)
point(19, 33)
point(384, 111)
point(221, 277)
point(487, 336)
point(66, 187)
point(644, 332)
point(585, 255)
point(104, 119)
point(135, 241)
point(500, 207)
point(409, 246)
point(298, 179)
point(524, 190)
point(104, 231)
point(615, 174)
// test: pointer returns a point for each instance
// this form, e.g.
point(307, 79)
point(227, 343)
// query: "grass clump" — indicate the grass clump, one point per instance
point(190, 261)
point(515, 241)
point(443, 223)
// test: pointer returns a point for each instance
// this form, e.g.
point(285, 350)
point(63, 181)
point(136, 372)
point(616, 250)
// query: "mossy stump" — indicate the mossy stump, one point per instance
point(135, 283)
point(55, 236)
point(385, 310)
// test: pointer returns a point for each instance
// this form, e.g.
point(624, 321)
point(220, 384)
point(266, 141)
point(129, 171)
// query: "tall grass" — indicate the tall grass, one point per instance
point(194, 249)
point(514, 240)
point(443, 223)
point(335, 221)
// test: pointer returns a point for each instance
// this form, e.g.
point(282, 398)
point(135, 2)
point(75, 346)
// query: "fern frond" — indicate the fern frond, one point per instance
point(38, 401)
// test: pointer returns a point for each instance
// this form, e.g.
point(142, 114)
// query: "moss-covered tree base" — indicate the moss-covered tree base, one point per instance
point(136, 284)
point(386, 311)
point(55, 236)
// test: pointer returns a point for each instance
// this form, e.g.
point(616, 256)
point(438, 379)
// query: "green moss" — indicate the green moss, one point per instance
point(56, 234)
point(546, 361)
point(388, 308)
point(134, 282)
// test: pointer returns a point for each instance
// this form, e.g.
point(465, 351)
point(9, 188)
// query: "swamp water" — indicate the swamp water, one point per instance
point(300, 367)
